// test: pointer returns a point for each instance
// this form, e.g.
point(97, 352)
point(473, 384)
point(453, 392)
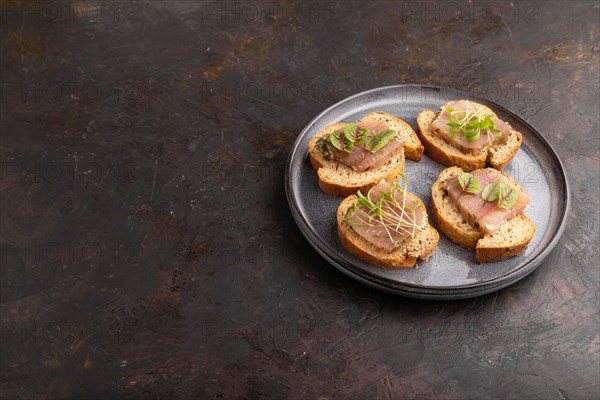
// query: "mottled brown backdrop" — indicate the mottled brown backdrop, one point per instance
point(148, 250)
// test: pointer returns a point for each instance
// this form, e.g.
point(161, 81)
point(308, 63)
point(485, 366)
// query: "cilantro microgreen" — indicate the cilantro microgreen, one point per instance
point(388, 211)
point(470, 123)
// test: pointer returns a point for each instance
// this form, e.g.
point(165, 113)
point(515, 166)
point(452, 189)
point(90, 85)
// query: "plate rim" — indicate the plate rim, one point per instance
point(425, 291)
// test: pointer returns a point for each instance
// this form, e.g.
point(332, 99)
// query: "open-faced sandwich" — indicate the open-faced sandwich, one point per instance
point(349, 157)
point(468, 135)
point(388, 227)
point(482, 210)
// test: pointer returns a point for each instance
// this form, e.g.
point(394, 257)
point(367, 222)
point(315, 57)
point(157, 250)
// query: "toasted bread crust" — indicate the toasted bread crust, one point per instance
point(488, 250)
point(511, 238)
point(334, 189)
point(438, 150)
point(316, 159)
point(334, 183)
point(447, 215)
point(500, 158)
point(421, 246)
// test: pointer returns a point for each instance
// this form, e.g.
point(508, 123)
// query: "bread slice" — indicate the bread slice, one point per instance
point(439, 150)
point(420, 246)
point(448, 217)
point(511, 238)
point(343, 181)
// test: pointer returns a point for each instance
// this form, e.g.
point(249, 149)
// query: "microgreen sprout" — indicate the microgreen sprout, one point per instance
point(470, 123)
point(354, 136)
point(388, 212)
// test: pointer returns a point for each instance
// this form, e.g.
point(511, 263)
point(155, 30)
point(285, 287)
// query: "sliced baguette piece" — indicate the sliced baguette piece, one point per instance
point(421, 246)
point(343, 181)
point(439, 150)
point(511, 238)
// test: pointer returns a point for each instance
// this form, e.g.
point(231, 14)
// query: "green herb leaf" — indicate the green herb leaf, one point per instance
point(472, 138)
point(491, 191)
point(361, 136)
point(349, 132)
point(471, 123)
point(335, 138)
point(348, 146)
point(508, 199)
point(380, 139)
point(498, 191)
point(340, 141)
point(469, 183)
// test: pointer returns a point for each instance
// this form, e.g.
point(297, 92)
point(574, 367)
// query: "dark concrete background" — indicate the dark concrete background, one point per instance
point(147, 247)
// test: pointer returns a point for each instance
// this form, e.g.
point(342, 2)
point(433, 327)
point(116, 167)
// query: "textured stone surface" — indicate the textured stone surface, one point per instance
point(147, 247)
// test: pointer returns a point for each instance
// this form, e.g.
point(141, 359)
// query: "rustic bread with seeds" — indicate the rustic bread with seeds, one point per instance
point(511, 238)
point(420, 246)
point(341, 180)
point(439, 150)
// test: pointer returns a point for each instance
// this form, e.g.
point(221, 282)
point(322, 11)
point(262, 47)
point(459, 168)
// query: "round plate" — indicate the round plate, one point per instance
point(452, 272)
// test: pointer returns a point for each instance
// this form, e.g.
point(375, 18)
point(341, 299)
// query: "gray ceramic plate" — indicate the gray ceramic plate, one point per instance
point(452, 272)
